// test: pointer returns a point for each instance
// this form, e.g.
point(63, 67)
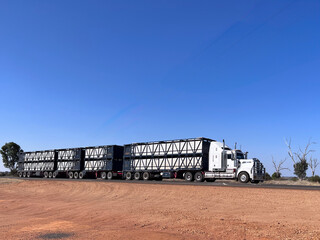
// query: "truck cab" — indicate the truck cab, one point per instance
point(228, 163)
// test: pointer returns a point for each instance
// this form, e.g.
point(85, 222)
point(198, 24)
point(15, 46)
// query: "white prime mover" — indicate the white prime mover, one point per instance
point(192, 159)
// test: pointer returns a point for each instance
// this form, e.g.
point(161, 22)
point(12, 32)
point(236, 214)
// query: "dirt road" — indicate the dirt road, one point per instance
point(111, 210)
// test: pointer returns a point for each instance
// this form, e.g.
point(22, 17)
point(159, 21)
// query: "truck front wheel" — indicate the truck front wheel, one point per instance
point(188, 176)
point(243, 177)
point(199, 177)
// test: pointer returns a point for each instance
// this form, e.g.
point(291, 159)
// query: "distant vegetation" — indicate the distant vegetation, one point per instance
point(301, 162)
point(10, 156)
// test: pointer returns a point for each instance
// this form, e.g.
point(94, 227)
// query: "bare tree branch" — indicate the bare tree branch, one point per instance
point(291, 155)
point(313, 163)
point(278, 167)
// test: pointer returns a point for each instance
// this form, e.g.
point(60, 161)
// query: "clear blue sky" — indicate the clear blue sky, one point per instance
point(79, 73)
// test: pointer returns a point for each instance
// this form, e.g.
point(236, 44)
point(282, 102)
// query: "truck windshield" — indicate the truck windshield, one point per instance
point(240, 155)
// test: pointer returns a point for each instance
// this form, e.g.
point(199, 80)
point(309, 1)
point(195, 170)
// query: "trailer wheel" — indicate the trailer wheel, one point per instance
point(146, 176)
point(128, 176)
point(137, 176)
point(81, 175)
point(28, 174)
point(109, 175)
point(24, 174)
point(54, 174)
point(45, 174)
point(188, 176)
point(70, 175)
point(103, 175)
point(76, 175)
point(199, 177)
point(243, 177)
point(50, 175)
point(20, 174)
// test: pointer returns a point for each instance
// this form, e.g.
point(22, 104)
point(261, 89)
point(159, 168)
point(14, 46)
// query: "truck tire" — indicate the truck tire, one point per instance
point(50, 175)
point(70, 175)
point(75, 175)
point(128, 176)
point(45, 174)
point(146, 176)
point(81, 175)
point(137, 176)
point(199, 177)
point(103, 175)
point(109, 175)
point(188, 176)
point(243, 177)
point(28, 174)
point(54, 174)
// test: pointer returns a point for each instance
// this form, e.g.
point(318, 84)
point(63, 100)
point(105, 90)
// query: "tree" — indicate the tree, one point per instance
point(278, 168)
point(300, 159)
point(10, 155)
point(313, 164)
point(300, 169)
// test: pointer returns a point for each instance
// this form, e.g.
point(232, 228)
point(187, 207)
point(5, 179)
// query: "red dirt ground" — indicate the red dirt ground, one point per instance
point(113, 210)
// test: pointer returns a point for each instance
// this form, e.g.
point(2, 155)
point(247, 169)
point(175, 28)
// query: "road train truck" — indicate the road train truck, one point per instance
point(191, 159)
point(196, 159)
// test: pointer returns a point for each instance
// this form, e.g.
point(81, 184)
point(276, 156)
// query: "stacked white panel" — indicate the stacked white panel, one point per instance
point(94, 165)
point(39, 161)
point(167, 148)
point(93, 156)
point(167, 163)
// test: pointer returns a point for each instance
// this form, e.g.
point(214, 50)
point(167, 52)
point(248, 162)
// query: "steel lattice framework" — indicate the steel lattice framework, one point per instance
point(69, 159)
point(184, 154)
point(37, 161)
point(103, 158)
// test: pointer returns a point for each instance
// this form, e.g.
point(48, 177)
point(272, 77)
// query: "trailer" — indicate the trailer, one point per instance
point(36, 163)
point(103, 161)
point(70, 162)
point(165, 159)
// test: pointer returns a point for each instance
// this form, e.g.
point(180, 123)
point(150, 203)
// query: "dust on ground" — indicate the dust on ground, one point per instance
point(112, 210)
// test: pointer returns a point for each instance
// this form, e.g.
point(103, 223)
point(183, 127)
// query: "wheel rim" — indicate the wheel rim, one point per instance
point(128, 175)
point(243, 178)
point(109, 175)
point(188, 177)
point(146, 176)
point(199, 177)
point(103, 175)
